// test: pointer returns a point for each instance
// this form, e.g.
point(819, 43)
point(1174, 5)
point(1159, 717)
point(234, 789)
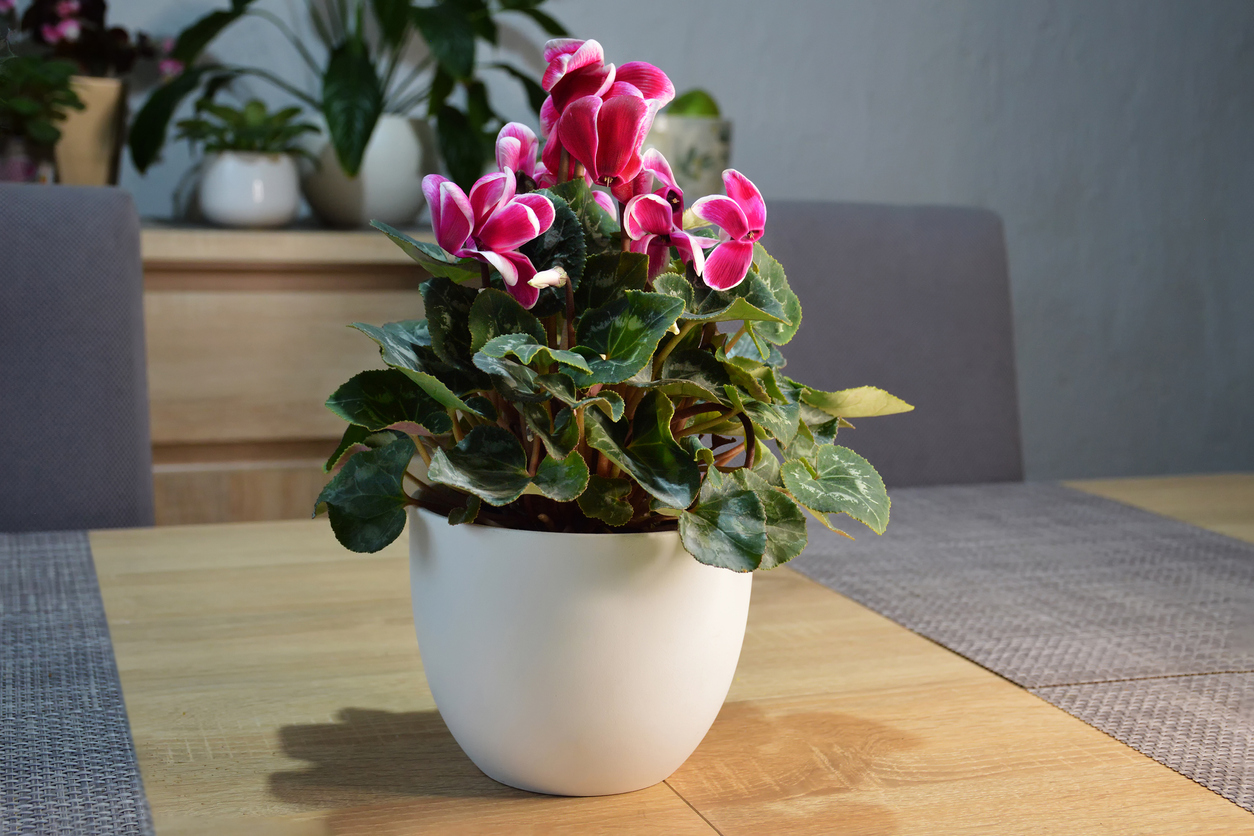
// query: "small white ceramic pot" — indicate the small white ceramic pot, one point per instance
point(388, 187)
point(246, 189)
point(573, 664)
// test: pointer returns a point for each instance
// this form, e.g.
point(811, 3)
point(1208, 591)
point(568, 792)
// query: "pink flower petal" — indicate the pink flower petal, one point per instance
point(728, 265)
point(542, 207)
point(622, 88)
point(741, 189)
point(656, 164)
point(522, 289)
point(659, 255)
point(490, 192)
point(560, 46)
point(516, 148)
point(509, 228)
point(552, 156)
point(577, 132)
point(451, 215)
point(647, 214)
point(563, 62)
point(509, 273)
point(689, 250)
point(604, 201)
point(548, 116)
point(622, 124)
point(723, 211)
point(589, 81)
point(651, 81)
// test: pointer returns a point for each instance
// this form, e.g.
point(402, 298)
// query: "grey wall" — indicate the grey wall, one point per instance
point(1114, 138)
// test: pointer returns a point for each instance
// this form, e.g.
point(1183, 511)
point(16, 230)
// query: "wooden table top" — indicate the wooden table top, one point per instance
point(274, 686)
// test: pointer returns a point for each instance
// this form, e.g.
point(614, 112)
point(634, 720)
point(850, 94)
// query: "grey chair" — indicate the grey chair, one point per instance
point(915, 300)
point(75, 449)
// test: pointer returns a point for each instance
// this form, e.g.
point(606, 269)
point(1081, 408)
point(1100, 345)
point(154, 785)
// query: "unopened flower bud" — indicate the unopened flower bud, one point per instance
point(549, 278)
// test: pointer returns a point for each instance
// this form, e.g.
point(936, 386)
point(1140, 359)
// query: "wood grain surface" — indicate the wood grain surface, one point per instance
point(274, 685)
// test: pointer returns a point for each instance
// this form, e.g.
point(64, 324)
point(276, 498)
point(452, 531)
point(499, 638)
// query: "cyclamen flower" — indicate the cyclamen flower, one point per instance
point(67, 8)
point(605, 136)
point(66, 30)
point(517, 150)
point(654, 220)
point(6, 6)
point(169, 68)
point(489, 225)
point(742, 216)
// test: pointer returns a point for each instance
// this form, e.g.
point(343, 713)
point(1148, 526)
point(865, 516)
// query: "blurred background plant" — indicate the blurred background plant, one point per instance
point(35, 95)
point(76, 31)
point(377, 57)
point(218, 127)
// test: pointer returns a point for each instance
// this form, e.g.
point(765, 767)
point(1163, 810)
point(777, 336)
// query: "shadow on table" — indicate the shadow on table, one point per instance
point(369, 755)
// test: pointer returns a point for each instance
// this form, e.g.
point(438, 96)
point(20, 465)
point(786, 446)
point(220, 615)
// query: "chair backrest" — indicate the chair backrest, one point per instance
point(75, 450)
point(914, 300)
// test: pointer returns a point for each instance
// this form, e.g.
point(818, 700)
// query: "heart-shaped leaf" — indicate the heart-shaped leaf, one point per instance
point(405, 346)
point(861, 402)
point(772, 276)
point(489, 462)
point(448, 319)
point(366, 500)
point(383, 398)
point(605, 499)
point(433, 259)
point(727, 527)
point(691, 373)
point(751, 300)
point(526, 349)
point(786, 535)
point(460, 516)
point(494, 313)
point(608, 275)
point(562, 479)
point(652, 457)
point(619, 338)
point(559, 435)
point(842, 482)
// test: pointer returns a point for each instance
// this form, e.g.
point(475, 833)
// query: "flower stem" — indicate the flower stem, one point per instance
point(563, 167)
point(458, 435)
point(736, 336)
point(422, 451)
point(483, 272)
point(708, 424)
point(670, 346)
point(570, 315)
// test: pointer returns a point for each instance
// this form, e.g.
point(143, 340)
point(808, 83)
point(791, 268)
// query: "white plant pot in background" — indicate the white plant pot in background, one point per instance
point(698, 149)
point(573, 664)
point(388, 187)
point(246, 189)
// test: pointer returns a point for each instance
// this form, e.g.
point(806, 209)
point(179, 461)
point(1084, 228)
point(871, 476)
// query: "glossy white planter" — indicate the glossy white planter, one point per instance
point(573, 664)
point(245, 189)
point(388, 186)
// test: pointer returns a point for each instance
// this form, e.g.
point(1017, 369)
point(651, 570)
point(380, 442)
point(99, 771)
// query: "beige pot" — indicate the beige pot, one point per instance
point(91, 138)
point(698, 149)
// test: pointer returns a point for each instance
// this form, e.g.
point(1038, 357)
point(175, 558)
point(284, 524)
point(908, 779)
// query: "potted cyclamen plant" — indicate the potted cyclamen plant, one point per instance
point(594, 440)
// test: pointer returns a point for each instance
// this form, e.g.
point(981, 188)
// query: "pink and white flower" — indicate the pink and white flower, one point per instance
point(489, 225)
point(66, 30)
point(742, 217)
point(518, 150)
point(653, 220)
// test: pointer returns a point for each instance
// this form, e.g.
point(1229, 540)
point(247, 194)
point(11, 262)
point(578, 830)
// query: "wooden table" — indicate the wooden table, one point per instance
point(274, 687)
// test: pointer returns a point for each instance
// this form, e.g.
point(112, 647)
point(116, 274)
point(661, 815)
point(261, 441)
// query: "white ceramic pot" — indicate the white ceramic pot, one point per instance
point(573, 664)
point(698, 149)
point(246, 189)
point(388, 187)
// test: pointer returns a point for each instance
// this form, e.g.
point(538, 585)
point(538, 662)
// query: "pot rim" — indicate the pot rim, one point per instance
point(492, 531)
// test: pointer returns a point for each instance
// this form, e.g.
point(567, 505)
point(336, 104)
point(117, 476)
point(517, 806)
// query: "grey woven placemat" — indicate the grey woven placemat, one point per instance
point(67, 762)
point(1140, 625)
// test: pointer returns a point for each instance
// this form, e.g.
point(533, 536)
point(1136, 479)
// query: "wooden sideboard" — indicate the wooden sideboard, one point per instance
point(247, 334)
